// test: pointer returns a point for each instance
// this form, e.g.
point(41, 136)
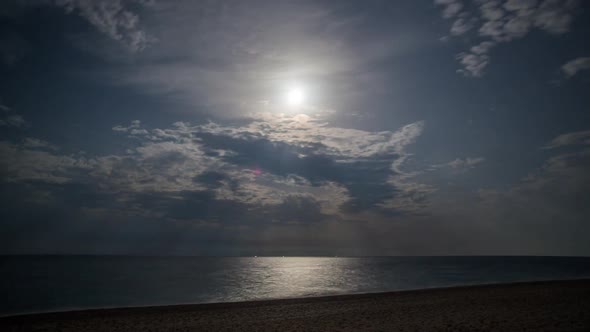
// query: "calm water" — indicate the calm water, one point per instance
point(51, 283)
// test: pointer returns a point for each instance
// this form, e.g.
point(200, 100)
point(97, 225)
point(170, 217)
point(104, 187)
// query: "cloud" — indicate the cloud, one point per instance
point(310, 132)
point(240, 56)
point(450, 7)
point(35, 143)
point(163, 172)
point(505, 21)
point(113, 18)
point(410, 197)
point(474, 63)
point(548, 205)
point(303, 145)
point(262, 164)
point(267, 190)
point(550, 196)
point(566, 170)
point(574, 66)
point(9, 119)
point(483, 47)
point(461, 26)
point(543, 213)
point(13, 121)
point(465, 164)
point(225, 200)
point(574, 138)
point(166, 162)
point(134, 129)
point(521, 16)
point(23, 164)
point(180, 175)
point(117, 19)
point(491, 11)
point(152, 165)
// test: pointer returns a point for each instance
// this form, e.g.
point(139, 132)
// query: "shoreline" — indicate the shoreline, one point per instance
point(538, 296)
point(286, 299)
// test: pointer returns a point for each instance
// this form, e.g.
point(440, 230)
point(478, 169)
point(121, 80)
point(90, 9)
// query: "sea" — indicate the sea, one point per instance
point(31, 284)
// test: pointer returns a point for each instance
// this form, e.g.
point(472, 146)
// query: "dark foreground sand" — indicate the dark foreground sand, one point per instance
point(541, 306)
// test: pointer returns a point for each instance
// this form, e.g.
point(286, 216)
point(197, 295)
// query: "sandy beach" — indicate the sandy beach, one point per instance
point(537, 306)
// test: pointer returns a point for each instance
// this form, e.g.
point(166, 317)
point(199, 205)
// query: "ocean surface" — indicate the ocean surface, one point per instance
point(55, 283)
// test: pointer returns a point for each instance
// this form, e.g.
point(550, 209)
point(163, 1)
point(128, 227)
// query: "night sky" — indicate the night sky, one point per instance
point(312, 127)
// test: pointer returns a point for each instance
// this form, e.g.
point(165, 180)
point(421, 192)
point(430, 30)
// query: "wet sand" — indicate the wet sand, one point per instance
point(536, 306)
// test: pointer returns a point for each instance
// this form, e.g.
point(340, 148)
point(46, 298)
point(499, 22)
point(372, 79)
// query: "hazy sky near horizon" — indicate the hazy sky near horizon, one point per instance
point(311, 127)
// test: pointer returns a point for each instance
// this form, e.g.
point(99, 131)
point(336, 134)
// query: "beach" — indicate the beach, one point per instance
point(532, 306)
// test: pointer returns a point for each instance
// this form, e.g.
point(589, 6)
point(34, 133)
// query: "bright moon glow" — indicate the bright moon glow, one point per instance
point(295, 97)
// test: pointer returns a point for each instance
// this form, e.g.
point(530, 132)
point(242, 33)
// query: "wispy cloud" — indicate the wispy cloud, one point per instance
point(450, 7)
point(4, 108)
point(233, 58)
point(13, 121)
point(571, 68)
point(8, 118)
point(574, 138)
point(133, 129)
point(113, 18)
point(20, 163)
point(502, 21)
point(412, 197)
point(474, 64)
point(461, 164)
point(35, 143)
point(413, 194)
point(547, 196)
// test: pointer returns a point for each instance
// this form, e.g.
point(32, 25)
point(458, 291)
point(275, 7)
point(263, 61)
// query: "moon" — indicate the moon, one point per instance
point(295, 97)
